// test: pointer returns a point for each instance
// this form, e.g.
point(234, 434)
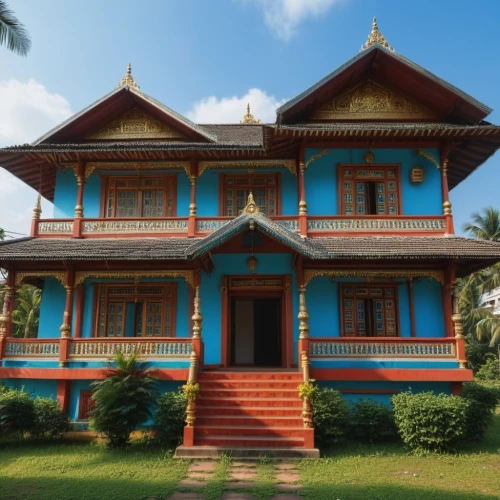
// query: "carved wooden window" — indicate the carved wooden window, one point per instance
point(369, 190)
point(237, 187)
point(136, 310)
point(369, 310)
point(85, 405)
point(140, 196)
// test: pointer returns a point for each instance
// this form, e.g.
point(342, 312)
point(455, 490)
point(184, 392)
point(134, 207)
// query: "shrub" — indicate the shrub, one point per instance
point(330, 416)
point(169, 418)
point(123, 400)
point(50, 421)
point(17, 414)
point(371, 421)
point(429, 422)
point(482, 402)
point(490, 370)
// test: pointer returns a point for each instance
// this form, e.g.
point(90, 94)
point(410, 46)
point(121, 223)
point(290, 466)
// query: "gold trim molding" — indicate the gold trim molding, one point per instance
point(136, 165)
point(429, 157)
point(310, 274)
point(289, 164)
point(316, 156)
point(58, 275)
point(371, 100)
point(188, 276)
point(135, 124)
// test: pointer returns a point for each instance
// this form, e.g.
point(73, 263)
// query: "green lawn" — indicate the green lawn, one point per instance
point(83, 471)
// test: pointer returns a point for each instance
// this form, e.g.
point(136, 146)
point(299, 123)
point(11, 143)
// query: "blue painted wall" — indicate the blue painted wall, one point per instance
point(418, 199)
point(211, 297)
point(183, 195)
point(91, 197)
point(65, 195)
point(35, 387)
point(52, 309)
point(429, 313)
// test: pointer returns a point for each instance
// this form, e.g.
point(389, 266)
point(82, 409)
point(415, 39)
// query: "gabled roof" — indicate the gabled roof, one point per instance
point(381, 63)
point(121, 98)
point(260, 223)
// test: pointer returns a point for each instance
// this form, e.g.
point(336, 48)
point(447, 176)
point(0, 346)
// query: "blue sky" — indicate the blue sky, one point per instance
point(202, 58)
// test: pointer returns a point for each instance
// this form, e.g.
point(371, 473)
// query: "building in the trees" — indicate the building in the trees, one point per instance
point(321, 242)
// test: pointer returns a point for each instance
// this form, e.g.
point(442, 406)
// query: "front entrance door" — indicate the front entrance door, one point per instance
point(256, 332)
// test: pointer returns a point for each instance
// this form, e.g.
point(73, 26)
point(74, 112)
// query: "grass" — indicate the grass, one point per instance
point(81, 471)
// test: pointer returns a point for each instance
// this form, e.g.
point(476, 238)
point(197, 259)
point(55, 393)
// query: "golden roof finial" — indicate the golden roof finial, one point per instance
point(128, 79)
point(37, 210)
point(249, 119)
point(375, 37)
point(252, 207)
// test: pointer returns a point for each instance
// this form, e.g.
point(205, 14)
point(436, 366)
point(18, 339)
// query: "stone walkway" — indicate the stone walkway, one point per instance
point(240, 481)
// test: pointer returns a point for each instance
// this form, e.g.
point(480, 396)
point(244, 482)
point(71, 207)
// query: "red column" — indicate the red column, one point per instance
point(302, 194)
point(80, 297)
point(63, 387)
point(80, 179)
point(445, 150)
point(192, 204)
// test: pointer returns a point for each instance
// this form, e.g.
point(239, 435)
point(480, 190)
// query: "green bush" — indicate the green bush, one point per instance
point(490, 370)
point(330, 416)
point(371, 421)
point(17, 413)
point(482, 402)
point(123, 400)
point(50, 421)
point(429, 422)
point(169, 418)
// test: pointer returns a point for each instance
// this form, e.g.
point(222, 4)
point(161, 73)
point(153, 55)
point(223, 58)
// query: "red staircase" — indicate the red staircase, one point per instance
point(250, 410)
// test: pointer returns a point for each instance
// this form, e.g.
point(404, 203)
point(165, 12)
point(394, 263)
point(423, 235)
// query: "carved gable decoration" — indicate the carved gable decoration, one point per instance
point(136, 124)
point(371, 101)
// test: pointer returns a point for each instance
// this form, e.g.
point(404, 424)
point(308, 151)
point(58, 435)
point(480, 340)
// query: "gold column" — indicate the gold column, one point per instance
point(307, 414)
point(197, 317)
point(459, 332)
point(303, 315)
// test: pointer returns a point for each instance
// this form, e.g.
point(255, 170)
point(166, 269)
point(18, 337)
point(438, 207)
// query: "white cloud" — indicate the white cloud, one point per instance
point(231, 109)
point(283, 16)
point(27, 110)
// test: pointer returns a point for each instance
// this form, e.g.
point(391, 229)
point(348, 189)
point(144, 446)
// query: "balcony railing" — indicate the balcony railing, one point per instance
point(201, 226)
point(99, 348)
point(387, 347)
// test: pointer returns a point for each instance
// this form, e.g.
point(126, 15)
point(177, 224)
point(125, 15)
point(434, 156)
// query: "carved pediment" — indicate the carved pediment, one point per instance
point(372, 101)
point(135, 124)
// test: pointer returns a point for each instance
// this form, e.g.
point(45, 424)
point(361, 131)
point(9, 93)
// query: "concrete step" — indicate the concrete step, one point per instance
point(278, 411)
point(245, 402)
point(248, 393)
point(248, 452)
point(240, 431)
point(252, 421)
point(249, 384)
point(280, 375)
point(233, 442)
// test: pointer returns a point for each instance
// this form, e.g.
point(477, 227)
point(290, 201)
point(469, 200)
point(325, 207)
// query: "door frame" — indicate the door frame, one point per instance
point(257, 287)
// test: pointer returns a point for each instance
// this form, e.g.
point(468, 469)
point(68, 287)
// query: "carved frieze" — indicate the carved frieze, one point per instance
point(135, 124)
point(370, 100)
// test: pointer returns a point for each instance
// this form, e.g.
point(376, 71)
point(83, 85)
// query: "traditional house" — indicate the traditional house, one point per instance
point(252, 256)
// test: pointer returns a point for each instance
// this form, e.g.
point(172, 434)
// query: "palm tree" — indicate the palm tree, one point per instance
point(12, 33)
point(485, 227)
point(27, 313)
point(124, 399)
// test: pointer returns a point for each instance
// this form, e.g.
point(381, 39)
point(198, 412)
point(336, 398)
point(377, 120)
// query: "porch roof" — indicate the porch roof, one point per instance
point(470, 254)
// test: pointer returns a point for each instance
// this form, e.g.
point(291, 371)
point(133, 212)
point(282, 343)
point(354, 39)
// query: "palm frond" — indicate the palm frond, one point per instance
point(12, 32)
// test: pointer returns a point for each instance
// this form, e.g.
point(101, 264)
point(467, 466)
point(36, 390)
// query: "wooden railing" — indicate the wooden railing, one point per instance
point(99, 348)
point(31, 348)
point(200, 226)
point(383, 347)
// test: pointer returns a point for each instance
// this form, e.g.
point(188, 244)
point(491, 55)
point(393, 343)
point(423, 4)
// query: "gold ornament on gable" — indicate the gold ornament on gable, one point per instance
point(371, 100)
point(135, 124)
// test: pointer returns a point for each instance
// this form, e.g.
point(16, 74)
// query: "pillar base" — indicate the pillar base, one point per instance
point(188, 439)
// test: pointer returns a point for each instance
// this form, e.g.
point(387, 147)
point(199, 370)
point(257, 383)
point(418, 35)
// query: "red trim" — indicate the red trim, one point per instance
point(63, 388)
point(456, 388)
point(80, 373)
point(390, 375)
point(288, 314)
point(225, 327)
point(80, 297)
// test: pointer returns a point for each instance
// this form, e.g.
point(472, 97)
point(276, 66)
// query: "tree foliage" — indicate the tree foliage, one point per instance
point(27, 313)
point(12, 32)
